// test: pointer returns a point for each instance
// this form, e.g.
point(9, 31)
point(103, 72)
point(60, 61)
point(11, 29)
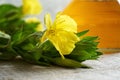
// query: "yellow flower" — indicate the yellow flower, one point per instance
point(35, 20)
point(32, 20)
point(31, 7)
point(61, 33)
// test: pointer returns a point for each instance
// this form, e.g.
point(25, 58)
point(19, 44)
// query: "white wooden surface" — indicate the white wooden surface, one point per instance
point(107, 67)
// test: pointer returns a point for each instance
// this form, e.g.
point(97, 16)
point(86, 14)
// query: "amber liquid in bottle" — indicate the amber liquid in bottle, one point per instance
point(101, 17)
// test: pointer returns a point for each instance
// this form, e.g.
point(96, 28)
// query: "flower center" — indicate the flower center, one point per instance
point(52, 32)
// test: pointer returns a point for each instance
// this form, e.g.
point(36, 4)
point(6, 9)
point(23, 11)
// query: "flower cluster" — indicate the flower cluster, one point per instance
point(59, 44)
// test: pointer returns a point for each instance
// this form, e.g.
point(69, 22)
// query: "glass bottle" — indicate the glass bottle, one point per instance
point(101, 17)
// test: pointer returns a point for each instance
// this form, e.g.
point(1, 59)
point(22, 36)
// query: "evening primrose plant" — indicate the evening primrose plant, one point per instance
point(61, 33)
point(59, 44)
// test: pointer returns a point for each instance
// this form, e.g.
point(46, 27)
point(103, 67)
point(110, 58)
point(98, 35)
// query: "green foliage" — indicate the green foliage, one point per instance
point(79, 34)
point(4, 39)
point(49, 50)
point(14, 33)
point(86, 49)
point(19, 38)
point(69, 63)
point(9, 12)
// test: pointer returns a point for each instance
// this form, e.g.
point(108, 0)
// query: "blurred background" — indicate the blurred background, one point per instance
point(49, 6)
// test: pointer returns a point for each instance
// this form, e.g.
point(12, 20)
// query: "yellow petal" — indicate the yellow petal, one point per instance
point(58, 14)
point(32, 20)
point(64, 41)
point(48, 21)
point(44, 37)
point(64, 22)
point(31, 7)
point(39, 27)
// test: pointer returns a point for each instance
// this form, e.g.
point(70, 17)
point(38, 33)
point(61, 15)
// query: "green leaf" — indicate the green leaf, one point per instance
point(10, 18)
point(89, 39)
point(9, 12)
point(49, 50)
point(7, 54)
point(4, 39)
point(33, 56)
point(82, 33)
point(69, 63)
point(6, 51)
point(11, 27)
point(30, 26)
point(86, 49)
point(27, 47)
